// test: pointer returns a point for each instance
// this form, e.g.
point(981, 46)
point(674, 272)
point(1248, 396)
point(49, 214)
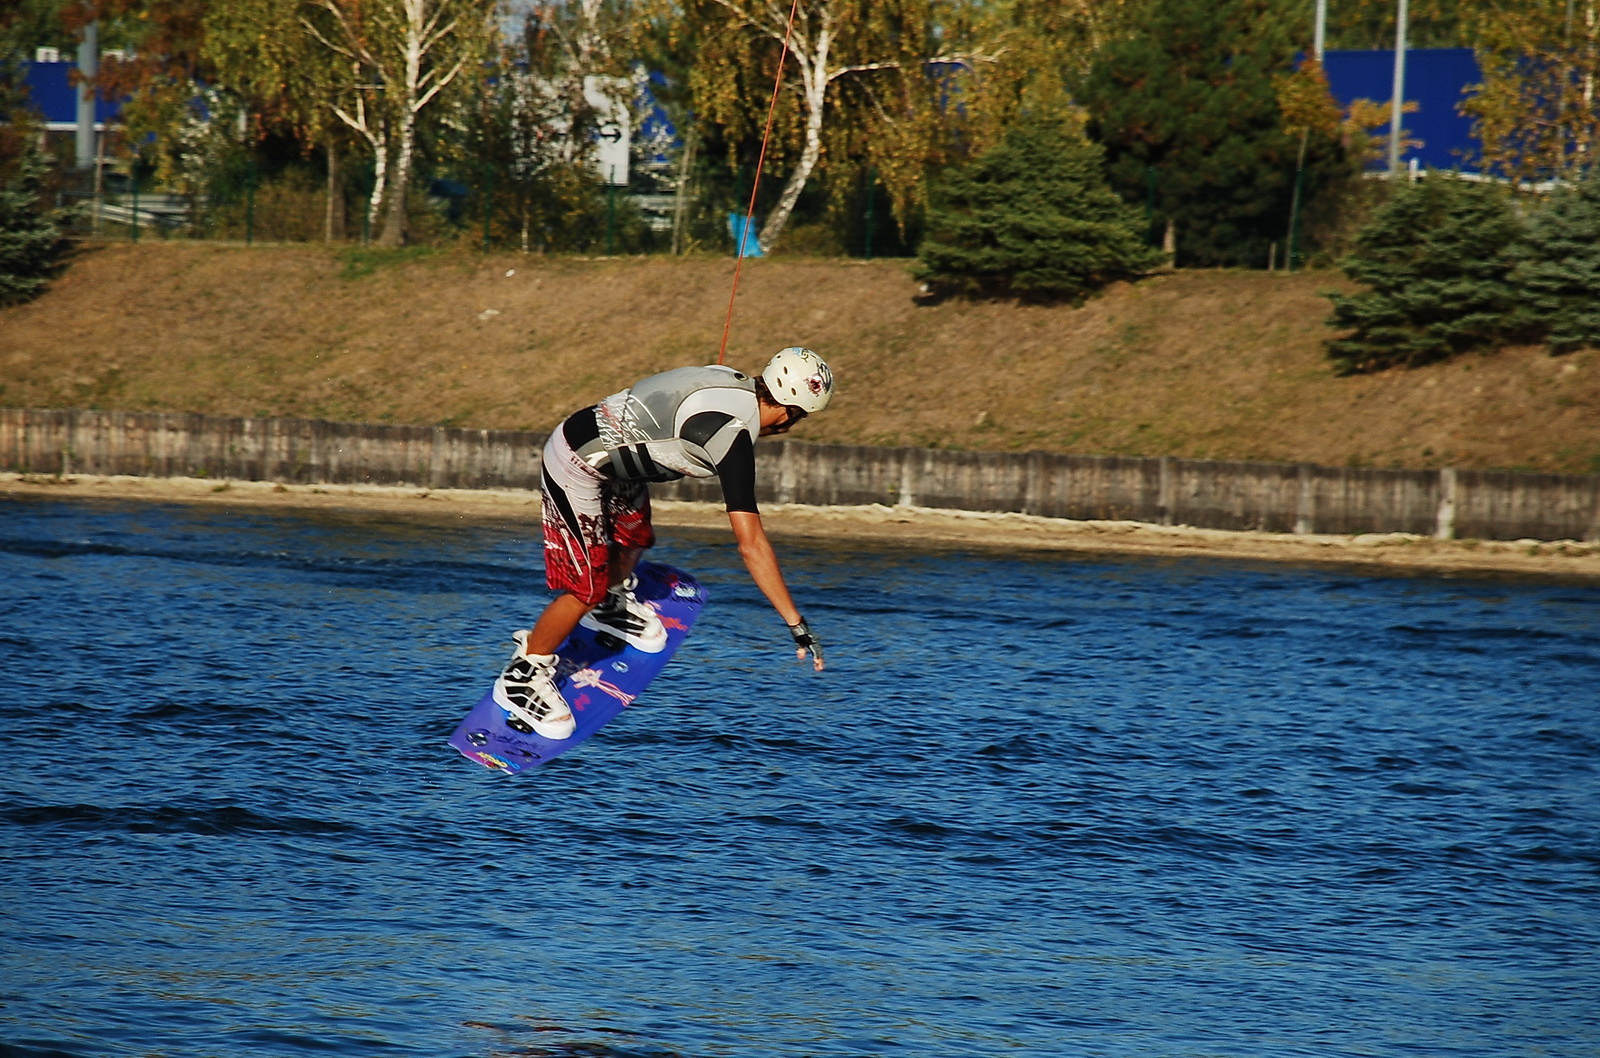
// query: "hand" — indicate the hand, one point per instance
point(804, 640)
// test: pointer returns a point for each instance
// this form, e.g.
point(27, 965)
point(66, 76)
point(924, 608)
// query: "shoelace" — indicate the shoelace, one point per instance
point(525, 697)
point(522, 670)
point(616, 611)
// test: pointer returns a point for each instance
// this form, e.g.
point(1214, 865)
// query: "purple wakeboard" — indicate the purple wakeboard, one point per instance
point(598, 675)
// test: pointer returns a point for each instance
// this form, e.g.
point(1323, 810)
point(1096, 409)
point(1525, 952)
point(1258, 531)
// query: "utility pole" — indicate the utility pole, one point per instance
point(88, 66)
point(1322, 30)
point(1397, 104)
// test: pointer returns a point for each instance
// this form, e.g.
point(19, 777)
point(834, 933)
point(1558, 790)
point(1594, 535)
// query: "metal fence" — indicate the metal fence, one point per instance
point(297, 203)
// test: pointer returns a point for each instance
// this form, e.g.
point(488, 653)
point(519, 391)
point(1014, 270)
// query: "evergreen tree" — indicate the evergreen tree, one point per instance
point(1189, 115)
point(1558, 271)
point(1033, 217)
point(32, 239)
point(1437, 259)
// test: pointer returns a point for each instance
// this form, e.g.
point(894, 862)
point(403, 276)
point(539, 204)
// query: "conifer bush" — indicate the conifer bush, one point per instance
point(1031, 217)
point(32, 234)
point(1437, 260)
point(1558, 270)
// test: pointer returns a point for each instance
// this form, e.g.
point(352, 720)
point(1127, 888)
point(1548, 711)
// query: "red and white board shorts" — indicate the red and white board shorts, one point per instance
point(585, 514)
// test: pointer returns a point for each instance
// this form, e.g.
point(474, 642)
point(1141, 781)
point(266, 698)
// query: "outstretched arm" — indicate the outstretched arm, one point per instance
point(762, 562)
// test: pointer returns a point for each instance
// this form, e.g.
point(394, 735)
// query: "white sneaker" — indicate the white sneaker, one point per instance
point(624, 617)
point(527, 690)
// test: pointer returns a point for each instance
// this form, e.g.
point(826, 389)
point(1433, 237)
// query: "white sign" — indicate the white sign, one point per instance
point(613, 137)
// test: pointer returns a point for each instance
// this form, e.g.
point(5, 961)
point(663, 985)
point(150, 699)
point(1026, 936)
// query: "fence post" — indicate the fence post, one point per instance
point(1305, 508)
point(250, 203)
point(1166, 490)
point(611, 212)
point(908, 479)
point(1149, 201)
point(1293, 247)
point(488, 202)
point(870, 173)
point(1444, 526)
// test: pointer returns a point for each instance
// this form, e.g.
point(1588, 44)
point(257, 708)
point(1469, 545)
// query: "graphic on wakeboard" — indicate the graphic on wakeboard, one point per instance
point(598, 675)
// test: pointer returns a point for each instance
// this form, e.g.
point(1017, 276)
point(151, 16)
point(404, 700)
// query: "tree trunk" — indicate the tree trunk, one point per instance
point(814, 76)
point(680, 208)
point(333, 217)
point(380, 169)
point(1586, 144)
point(394, 228)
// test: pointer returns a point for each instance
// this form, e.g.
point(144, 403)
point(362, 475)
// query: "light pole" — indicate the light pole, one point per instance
point(88, 66)
point(1397, 104)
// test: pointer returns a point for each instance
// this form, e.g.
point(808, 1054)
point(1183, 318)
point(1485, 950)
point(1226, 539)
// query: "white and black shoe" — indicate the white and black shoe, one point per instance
point(527, 690)
point(623, 617)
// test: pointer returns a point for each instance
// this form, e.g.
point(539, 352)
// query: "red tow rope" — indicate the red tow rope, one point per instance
point(749, 214)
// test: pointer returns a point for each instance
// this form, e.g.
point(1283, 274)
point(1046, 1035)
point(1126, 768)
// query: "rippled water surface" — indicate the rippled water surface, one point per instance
point(1037, 806)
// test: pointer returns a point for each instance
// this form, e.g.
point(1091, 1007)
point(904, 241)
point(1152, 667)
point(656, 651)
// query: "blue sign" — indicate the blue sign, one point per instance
point(1437, 80)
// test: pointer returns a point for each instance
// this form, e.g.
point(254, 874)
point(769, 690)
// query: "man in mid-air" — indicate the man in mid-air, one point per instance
point(691, 422)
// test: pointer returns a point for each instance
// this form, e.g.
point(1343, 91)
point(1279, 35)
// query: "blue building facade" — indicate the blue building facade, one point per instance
point(1437, 80)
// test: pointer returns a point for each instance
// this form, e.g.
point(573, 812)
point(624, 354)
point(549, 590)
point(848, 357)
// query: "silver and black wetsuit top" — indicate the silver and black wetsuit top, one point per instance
point(696, 422)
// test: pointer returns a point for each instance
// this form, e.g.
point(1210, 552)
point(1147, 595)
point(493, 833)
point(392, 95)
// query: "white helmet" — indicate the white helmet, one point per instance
point(798, 377)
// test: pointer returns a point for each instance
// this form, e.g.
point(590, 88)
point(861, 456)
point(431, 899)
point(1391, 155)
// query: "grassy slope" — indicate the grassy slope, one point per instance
point(1219, 365)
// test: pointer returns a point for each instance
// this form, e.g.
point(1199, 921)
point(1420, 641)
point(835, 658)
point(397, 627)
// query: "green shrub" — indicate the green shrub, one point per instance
point(33, 240)
point(1031, 217)
point(1558, 269)
point(1437, 261)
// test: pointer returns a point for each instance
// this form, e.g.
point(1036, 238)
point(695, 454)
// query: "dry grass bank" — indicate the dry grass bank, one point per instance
point(1218, 365)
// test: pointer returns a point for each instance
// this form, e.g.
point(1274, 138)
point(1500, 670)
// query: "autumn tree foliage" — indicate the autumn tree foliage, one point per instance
point(1035, 54)
point(398, 57)
point(860, 78)
point(1370, 24)
point(533, 125)
point(1537, 111)
point(158, 74)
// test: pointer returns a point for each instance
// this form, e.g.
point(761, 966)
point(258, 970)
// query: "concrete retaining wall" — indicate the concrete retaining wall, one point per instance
point(1275, 497)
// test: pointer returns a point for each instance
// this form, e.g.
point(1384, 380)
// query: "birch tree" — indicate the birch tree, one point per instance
point(882, 49)
point(1536, 111)
point(398, 56)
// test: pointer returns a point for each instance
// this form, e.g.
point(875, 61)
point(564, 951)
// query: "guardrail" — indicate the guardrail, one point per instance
point(1273, 497)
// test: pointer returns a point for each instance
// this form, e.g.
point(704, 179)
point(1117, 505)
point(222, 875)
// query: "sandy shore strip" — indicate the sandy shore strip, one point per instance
point(901, 526)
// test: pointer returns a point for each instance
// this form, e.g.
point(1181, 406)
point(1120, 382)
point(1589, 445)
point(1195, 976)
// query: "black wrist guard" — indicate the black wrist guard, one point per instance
point(803, 637)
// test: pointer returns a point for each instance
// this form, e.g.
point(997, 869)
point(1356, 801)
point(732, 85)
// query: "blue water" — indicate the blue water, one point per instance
point(1046, 806)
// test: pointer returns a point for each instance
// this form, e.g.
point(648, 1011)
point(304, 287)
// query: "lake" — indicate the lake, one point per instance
point(1037, 805)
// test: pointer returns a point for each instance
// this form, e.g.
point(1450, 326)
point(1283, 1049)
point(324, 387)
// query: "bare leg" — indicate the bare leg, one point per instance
point(556, 623)
point(566, 610)
point(623, 561)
